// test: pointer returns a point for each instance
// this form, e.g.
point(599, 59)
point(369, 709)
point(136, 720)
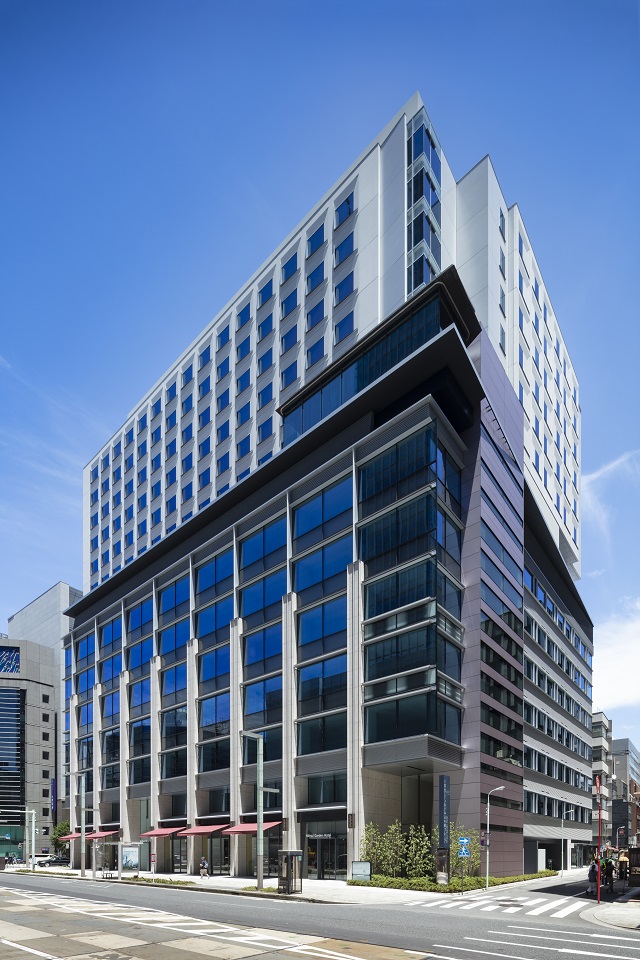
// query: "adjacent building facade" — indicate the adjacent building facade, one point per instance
point(30, 696)
point(626, 794)
point(347, 518)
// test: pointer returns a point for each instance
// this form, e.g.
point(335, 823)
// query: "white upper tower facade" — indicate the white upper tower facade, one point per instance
point(392, 222)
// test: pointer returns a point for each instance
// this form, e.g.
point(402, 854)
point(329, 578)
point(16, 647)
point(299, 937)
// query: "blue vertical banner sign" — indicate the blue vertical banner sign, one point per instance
point(444, 805)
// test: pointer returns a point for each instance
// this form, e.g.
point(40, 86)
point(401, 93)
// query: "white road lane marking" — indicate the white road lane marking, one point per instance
point(578, 905)
point(558, 939)
point(20, 946)
point(545, 908)
point(571, 950)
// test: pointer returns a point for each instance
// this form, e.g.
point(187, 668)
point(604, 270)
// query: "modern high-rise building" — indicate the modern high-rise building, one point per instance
point(602, 767)
point(347, 518)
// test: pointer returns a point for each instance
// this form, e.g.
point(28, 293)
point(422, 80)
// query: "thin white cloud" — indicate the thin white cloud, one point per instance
point(617, 658)
point(594, 573)
point(597, 499)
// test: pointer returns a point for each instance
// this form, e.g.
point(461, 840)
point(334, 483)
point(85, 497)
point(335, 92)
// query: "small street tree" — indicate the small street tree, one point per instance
point(392, 850)
point(370, 846)
point(420, 861)
point(62, 830)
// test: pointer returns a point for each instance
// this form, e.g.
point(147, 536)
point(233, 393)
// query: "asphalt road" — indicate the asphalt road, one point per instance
point(527, 922)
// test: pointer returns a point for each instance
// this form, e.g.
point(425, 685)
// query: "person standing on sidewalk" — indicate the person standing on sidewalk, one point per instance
point(592, 877)
point(204, 867)
point(608, 874)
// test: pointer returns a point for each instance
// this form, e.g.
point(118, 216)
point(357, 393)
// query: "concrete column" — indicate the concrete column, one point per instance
point(291, 836)
point(235, 769)
point(155, 740)
point(98, 690)
point(124, 754)
point(355, 720)
point(192, 750)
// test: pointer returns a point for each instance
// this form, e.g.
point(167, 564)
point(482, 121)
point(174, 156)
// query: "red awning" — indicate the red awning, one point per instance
point(70, 836)
point(99, 834)
point(161, 832)
point(252, 827)
point(193, 831)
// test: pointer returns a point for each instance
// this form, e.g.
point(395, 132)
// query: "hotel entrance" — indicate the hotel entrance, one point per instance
point(326, 857)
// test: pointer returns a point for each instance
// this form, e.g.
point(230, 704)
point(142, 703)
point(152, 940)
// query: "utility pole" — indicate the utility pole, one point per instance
point(83, 816)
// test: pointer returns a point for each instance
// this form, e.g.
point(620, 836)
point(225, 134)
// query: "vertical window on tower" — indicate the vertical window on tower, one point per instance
point(503, 302)
point(502, 263)
point(502, 224)
point(503, 339)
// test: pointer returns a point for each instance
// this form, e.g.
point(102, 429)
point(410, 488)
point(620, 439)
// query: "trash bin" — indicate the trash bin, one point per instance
point(289, 871)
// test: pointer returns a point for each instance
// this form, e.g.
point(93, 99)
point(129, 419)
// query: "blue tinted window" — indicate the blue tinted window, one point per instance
point(187, 492)
point(316, 240)
point(315, 352)
point(344, 250)
point(172, 419)
point(223, 463)
point(187, 433)
point(265, 361)
point(156, 435)
point(344, 288)
point(265, 429)
point(244, 348)
point(264, 543)
point(265, 327)
point(129, 436)
point(289, 339)
point(214, 576)
point(215, 713)
point(344, 327)
point(156, 489)
point(204, 479)
point(290, 267)
point(205, 417)
point(223, 432)
point(187, 375)
point(156, 518)
point(289, 374)
point(244, 315)
point(244, 414)
point(156, 463)
point(171, 392)
point(265, 395)
point(223, 400)
point(187, 404)
point(244, 447)
point(323, 564)
point(316, 314)
point(171, 506)
point(223, 368)
point(213, 621)
point(205, 447)
point(315, 278)
point(205, 356)
point(344, 210)
point(244, 381)
point(265, 293)
point(171, 476)
point(205, 387)
point(174, 638)
point(290, 303)
point(223, 337)
point(267, 592)
point(215, 665)
point(142, 423)
point(128, 463)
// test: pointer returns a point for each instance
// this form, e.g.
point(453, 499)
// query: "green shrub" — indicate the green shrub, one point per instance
point(454, 886)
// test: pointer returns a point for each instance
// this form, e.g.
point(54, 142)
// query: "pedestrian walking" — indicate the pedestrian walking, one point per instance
point(608, 874)
point(204, 867)
point(592, 877)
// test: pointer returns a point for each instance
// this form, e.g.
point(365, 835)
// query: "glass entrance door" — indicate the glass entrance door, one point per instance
point(179, 851)
point(323, 859)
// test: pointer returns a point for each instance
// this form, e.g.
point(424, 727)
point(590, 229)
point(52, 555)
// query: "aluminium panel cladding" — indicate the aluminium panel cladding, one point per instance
point(236, 424)
point(501, 274)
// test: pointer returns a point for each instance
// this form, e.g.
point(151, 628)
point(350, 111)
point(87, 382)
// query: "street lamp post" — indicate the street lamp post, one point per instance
point(495, 790)
point(599, 799)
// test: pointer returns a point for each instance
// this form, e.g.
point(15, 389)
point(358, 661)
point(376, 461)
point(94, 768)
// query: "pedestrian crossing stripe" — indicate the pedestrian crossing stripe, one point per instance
point(527, 906)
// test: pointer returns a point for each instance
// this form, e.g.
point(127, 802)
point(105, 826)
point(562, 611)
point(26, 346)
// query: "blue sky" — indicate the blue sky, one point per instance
point(155, 153)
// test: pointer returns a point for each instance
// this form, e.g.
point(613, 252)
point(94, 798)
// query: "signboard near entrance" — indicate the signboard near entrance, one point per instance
point(361, 870)
point(319, 836)
point(444, 798)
